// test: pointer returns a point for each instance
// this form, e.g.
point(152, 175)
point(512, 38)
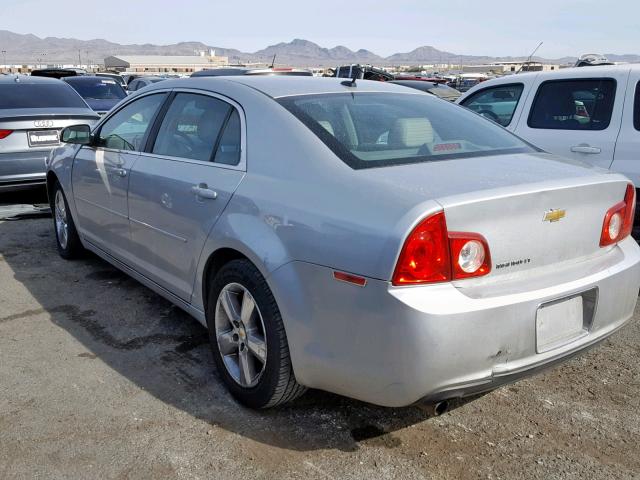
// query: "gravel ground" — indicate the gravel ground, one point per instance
point(101, 378)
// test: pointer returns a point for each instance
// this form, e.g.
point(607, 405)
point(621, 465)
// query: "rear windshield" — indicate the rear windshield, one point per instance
point(98, 89)
point(16, 95)
point(377, 129)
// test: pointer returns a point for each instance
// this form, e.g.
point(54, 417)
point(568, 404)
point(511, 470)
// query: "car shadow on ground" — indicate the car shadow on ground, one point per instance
point(166, 353)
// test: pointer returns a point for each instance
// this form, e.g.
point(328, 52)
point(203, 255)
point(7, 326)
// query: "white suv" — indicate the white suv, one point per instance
point(588, 113)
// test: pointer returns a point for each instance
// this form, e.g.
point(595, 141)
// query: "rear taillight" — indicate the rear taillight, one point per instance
point(618, 221)
point(5, 133)
point(431, 254)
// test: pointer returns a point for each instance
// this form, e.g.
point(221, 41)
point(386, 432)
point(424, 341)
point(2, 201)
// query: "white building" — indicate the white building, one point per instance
point(161, 64)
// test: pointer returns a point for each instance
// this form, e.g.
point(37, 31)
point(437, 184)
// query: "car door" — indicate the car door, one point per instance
point(500, 103)
point(626, 159)
point(576, 114)
point(193, 163)
point(100, 174)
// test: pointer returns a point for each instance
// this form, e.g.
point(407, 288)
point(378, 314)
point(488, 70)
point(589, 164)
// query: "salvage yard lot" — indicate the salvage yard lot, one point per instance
point(101, 378)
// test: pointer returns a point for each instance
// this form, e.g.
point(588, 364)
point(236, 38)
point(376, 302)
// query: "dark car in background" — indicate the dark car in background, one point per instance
point(438, 89)
point(235, 71)
point(58, 72)
point(100, 93)
point(141, 82)
point(33, 110)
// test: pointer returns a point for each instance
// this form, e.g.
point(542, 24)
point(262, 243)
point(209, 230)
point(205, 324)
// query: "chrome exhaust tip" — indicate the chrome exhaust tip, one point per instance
point(436, 409)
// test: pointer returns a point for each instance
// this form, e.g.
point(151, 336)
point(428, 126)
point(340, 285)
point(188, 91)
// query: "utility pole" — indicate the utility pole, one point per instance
point(4, 59)
point(79, 59)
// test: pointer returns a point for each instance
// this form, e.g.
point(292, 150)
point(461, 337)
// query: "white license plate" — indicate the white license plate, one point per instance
point(40, 138)
point(559, 323)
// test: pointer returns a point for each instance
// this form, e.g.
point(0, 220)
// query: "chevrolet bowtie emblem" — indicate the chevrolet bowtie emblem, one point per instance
point(554, 215)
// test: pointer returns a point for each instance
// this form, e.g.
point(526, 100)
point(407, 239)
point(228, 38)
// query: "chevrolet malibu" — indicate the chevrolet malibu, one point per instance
point(356, 237)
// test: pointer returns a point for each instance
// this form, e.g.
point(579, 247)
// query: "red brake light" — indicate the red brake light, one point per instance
point(5, 133)
point(618, 221)
point(432, 254)
point(425, 255)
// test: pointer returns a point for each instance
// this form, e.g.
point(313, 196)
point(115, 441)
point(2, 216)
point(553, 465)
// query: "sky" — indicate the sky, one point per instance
point(488, 27)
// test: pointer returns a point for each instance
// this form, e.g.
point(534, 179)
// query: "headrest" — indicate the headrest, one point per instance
point(411, 133)
point(327, 126)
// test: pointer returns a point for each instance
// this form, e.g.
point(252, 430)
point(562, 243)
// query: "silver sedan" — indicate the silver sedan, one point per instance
point(360, 238)
point(33, 110)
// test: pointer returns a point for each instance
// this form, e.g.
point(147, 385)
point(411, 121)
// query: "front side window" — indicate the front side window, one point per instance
point(581, 104)
point(126, 129)
point(192, 126)
point(496, 103)
point(379, 129)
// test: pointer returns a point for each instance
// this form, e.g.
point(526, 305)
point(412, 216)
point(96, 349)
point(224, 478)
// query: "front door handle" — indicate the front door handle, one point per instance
point(585, 149)
point(121, 172)
point(203, 191)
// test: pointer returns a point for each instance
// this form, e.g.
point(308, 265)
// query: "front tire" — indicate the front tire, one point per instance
point(67, 239)
point(248, 339)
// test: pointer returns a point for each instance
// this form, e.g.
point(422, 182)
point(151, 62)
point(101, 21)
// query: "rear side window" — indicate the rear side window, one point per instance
point(25, 95)
point(636, 108)
point(192, 126)
point(496, 103)
point(581, 104)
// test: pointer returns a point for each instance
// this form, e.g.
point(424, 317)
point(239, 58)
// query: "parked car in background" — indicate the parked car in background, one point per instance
point(481, 260)
point(141, 82)
point(438, 89)
point(33, 110)
point(589, 113)
point(365, 72)
point(100, 93)
point(235, 71)
point(114, 76)
point(58, 72)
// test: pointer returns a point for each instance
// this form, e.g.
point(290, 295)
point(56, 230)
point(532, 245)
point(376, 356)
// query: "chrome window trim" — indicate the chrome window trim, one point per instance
point(242, 164)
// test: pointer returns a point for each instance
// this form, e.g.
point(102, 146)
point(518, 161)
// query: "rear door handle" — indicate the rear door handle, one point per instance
point(585, 149)
point(121, 172)
point(203, 191)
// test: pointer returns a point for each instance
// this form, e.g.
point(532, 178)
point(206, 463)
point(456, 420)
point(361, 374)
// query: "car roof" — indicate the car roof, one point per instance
point(28, 79)
point(284, 86)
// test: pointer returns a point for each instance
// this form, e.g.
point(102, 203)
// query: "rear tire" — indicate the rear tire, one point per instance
point(248, 339)
point(67, 239)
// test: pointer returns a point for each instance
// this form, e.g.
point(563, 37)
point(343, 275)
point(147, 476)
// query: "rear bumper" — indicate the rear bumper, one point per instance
point(23, 169)
point(396, 346)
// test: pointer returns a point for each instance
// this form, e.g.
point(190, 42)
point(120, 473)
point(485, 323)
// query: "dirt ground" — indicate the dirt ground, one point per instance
point(101, 378)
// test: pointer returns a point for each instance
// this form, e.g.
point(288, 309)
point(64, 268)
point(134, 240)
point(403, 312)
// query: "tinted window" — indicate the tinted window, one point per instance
point(98, 89)
point(636, 108)
point(228, 151)
point(377, 129)
point(127, 128)
point(497, 103)
point(16, 95)
point(191, 127)
point(134, 85)
point(574, 104)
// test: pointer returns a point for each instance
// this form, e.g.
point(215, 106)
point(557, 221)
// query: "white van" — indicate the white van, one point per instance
point(589, 113)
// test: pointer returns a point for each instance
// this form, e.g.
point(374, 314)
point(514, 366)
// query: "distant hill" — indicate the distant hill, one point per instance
point(32, 49)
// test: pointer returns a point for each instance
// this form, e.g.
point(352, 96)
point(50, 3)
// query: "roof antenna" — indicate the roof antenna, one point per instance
point(355, 73)
point(273, 62)
point(529, 58)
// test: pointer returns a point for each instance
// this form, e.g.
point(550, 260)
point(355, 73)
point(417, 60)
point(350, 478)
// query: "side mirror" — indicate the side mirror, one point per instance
point(76, 134)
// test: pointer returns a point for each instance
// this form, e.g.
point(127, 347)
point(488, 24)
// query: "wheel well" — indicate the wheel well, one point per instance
point(51, 180)
point(215, 262)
